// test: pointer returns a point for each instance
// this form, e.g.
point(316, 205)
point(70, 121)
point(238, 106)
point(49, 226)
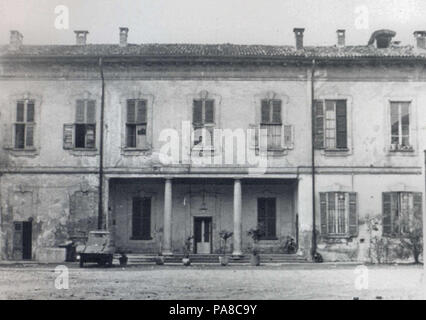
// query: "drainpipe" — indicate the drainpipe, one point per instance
point(314, 231)
point(101, 150)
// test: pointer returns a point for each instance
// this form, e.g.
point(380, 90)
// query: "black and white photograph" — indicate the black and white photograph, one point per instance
point(230, 151)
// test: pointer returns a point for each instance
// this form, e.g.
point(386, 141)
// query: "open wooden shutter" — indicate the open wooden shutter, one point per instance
point(276, 111)
point(353, 215)
point(197, 112)
point(29, 135)
point(30, 111)
point(90, 136)
point(141, 112)
point(91, 112)
point(209, 115)
point(319, 124)
point(68, 136)
point(265, 111)
point(341, 124)
point(287, 136)
point(387, 198)
point(417, 205)
point(323, 212)
point(79, 112)
point(131, 111)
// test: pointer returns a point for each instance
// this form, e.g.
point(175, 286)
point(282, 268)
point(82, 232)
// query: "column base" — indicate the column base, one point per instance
point(237, 253)
point(167, 253)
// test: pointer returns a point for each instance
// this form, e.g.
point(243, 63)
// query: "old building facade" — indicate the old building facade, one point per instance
point(157, 143)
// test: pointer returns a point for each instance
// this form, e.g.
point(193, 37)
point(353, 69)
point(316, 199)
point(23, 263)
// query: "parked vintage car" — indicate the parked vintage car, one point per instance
point(98, 248)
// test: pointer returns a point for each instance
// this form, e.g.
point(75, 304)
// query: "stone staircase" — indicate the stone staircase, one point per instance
point(139, 259)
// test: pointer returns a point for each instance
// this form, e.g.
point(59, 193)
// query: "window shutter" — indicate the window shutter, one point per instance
point(253, 136)
point(141, 112)
point(30, 111)
point(91, 136)
point(323, 212)
point(341, 124)
point(417, 205)
point(209, 117)
point(20, 111)
point(319, 124)
point(288, 135)
point(131, 113)
point(91, 112)
point(353, 216)
point(79, 113)
point(197, 112)
point(276, 111)
point(387, 213)
point(265, 111)
point(68, 141)
point(29, 135)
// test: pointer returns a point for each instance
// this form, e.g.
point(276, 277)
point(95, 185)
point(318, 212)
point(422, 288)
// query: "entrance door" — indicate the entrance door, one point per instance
point(203, 235)
point(22, 243)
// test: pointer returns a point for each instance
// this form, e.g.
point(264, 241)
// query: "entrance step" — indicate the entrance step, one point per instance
point(134, 259)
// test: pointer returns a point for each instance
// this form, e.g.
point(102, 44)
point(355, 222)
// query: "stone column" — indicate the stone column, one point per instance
point(167, 225)
point(237, 218)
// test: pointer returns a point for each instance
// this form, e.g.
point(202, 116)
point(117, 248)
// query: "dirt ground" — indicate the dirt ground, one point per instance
point(308, 281)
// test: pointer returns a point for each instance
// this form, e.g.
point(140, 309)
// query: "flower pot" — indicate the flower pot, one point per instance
point(159, 260)
point(186, 261)
point(224, 260)
point(255, 260)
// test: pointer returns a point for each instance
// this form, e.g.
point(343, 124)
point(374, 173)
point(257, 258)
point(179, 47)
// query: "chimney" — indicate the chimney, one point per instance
point(80, 37)
point(16, 38)
point(123, 36)
point(340, 37)
point(420, 39)
point(298, 32)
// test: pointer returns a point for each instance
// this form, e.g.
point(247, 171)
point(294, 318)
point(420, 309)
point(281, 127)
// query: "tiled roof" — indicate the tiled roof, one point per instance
point(210, 51)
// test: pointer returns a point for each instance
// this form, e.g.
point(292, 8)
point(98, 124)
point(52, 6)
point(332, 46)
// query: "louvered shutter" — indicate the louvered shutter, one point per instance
point(79, 113)
point(141, 112)
point(331, 212)
point(91, 112)
point(265, 112)
point(323, 212)
point(197, 112)
point(319, 124)
point(90, 136)
point(68, 141)
point(253, 136)
point(417, 205)
point(353, 215)
point(341, 124)
point(276, 111)
point(387, 213)
point(29, 135)
point(288, 136)
point(209, 116)
point(131, 111)
point(20, 108)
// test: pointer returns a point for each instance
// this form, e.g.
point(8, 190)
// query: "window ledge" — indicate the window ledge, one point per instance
point(140, 239)
point(336, 152)
point(28, 152)
point(83, 152)
point(136, 151)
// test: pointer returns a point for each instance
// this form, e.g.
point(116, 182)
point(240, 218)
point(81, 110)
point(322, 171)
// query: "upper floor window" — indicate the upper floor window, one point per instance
point(331, 125)
point(24, 124)
point(271, 122)
point(400, 210)
point(400, 126)
point(136, 124)
point(203, 115)
point(338, 213)
point(82, 133)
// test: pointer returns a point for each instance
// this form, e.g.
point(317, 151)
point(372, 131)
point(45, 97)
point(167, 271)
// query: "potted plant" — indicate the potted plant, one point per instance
point(123, 258)
point(224, 236)
point(159, 259)
point(255, 233)
point(186, 250)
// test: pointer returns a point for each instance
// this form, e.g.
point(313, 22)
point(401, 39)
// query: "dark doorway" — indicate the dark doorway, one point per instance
point(203, 235)
point(22, 240)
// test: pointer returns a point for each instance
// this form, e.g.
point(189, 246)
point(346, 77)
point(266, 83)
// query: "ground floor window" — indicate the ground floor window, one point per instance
point(141, 219)
point(338, 213)
point(400, 209)
point(267, 217)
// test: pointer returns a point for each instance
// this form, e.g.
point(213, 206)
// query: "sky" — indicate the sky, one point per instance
point(211, 21)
